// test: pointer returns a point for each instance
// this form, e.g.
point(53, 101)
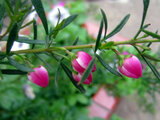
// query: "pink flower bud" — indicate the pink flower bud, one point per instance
point(80, 64)
point(39, 76)
point(82, 61)
point(131, 67)
point(79, 76)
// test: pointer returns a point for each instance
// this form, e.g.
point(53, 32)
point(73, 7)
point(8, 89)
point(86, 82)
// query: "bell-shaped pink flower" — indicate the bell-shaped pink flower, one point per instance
point(39, 76)
point(131, 67)
point(82, 61)
point(78, 77)
point(80, 64)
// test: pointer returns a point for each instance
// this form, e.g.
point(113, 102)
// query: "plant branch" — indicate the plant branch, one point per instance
point(38, 50)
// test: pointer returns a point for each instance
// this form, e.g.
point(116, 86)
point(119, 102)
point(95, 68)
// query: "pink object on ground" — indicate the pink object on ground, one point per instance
point(103, 104)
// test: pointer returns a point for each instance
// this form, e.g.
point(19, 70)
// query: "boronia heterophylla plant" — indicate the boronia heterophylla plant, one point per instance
point(80, 65)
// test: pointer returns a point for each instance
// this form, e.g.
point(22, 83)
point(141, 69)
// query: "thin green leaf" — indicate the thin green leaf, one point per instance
point(12, 37)
point(145, 26)
point(13, 72)
point(105, 65)
point(35, 32)
point(99, 37)
point(57, 74)
point(8, 12)
point(145, 8)
point(9, 6)
point(19, 66)
point(35, 29)
point(27, 24)
point(154, 35)
point(156, 73)
point(40, 11)
point(69, 74)
point(27, 40)
point(76, 41)
point(59, 16)
point(46, 64)
point(105, 21)
point(69, 20)
point(151, 57)
point(107, 45)
point(2, 10)
point(88, 70)
point(17, 6)
point(119, 27)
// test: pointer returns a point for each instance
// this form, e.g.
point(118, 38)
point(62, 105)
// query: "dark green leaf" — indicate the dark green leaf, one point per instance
point(35, 29)
point(154, 70)
point(110, 69)
point(6, 63)
point(2, 10)
point(1, 75)
point(13, 72)
point(69, 74)
point(154, 35)
point(88, 70)
point(2, 56)
point(76, 41)
point(12, 37)
point(69, 20)
point(99, 37)
point(40, 11)
point(35, 32)
point(119, 27)
point(105, 21)
point(27, 40)
point(145, 8)
point(19, 66)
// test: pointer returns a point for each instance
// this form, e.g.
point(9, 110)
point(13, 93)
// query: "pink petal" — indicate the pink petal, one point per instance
point(39, 76)
point(84, 59)
point(126, 73)
point(78, 78)
point(133, 66)
point(77, 67)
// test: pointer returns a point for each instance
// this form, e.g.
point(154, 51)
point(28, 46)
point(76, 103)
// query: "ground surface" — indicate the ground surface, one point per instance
point(115, 11)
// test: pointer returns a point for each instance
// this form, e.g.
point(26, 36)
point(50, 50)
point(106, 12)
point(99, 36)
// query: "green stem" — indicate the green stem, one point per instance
point(117, 53)
point(38, 50)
